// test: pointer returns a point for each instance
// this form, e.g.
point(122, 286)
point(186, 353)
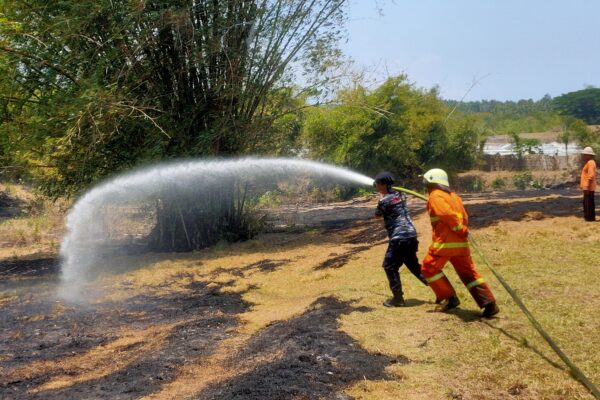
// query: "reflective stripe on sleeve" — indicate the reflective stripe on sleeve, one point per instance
point(434, 219)
point(457, 227)
point(449, 245)
point(435, 277)
point(475, 283)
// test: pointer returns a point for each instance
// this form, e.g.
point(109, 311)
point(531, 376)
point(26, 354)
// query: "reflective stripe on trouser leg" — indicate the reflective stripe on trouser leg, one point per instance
point(434, 278)
point(432, 271)
point(473, 281)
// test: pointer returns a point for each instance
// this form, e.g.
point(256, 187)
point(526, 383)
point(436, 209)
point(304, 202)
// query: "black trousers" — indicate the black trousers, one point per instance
point(401, 252)
point(589, 206)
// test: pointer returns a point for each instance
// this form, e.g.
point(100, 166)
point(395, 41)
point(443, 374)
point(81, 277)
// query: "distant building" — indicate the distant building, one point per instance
point(549, 149)
point(499, 154)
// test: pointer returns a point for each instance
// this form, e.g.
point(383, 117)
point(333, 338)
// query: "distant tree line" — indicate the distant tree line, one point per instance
point(506, 117)
point(547, 113)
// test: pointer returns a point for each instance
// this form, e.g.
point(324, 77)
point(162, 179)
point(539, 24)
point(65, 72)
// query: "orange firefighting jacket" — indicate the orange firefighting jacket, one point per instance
point(588, 176)
point(449, 221)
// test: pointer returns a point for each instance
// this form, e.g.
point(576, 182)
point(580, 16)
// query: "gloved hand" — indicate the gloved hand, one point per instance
point(463, 232)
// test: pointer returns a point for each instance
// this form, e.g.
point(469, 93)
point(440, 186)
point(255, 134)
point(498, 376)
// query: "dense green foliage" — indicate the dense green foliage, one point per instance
point(582, 104)
point(92, 88)
point(395, 126)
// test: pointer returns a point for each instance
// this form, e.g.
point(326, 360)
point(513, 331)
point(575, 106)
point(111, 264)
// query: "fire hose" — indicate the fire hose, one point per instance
point(575, 371)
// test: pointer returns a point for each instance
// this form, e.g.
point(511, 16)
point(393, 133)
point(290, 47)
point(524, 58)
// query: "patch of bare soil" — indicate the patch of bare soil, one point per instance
point(331, 216)
point(267, 265)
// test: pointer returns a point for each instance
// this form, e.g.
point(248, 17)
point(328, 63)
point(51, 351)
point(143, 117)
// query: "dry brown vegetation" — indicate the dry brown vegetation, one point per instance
point(299, 316)
point(487, 181)
point(29, 225)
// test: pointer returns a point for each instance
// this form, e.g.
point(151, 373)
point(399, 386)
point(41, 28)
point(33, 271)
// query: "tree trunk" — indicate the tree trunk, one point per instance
point(194, 221)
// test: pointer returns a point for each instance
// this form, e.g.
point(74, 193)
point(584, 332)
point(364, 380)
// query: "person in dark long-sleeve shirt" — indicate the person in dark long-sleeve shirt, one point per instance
point(403, 244)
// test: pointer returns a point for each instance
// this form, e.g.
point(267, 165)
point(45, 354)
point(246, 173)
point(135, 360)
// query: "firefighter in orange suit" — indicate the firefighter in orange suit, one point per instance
point(449, 222)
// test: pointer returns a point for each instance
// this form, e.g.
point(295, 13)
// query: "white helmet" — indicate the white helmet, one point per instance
point(588, 150)
point(437, 176)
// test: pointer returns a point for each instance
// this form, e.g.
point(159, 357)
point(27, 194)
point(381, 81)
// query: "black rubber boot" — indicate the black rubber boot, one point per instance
point(449, 304)
point(490, 310)
point(396, 301)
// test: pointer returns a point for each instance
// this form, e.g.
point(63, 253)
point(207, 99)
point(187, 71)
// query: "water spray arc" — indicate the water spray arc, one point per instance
point(82, 248)
point(575, 371)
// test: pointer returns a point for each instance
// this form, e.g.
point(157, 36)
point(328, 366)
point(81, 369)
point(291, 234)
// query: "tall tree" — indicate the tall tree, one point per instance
point(97, 87)
point(102, 85)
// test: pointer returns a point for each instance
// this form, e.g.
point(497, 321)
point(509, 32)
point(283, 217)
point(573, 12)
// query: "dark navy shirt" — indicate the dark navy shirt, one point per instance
point(392, 207)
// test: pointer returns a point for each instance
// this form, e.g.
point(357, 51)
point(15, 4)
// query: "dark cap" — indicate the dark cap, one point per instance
point(385, 178)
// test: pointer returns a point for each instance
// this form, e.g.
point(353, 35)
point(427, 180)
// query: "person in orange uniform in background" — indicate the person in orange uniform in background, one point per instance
point(588, 184)
point(449, 221)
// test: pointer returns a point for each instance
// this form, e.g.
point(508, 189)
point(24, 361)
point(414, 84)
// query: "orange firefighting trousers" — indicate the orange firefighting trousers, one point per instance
point(464, 267)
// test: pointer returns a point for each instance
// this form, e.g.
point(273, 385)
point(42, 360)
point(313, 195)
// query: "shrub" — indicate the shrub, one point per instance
point(269, 199)
point(471, 183)
point(537, 184)
point(477, 185)
point(523, 180)
point(498, 183)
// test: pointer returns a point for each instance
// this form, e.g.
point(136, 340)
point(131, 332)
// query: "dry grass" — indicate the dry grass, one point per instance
point(457, 355)
point(551, 261)
point(487, 178)
point(36, 227)
point(100, 361)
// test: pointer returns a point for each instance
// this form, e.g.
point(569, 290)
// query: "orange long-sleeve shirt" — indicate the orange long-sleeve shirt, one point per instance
point(449, 221)
point(588, 176)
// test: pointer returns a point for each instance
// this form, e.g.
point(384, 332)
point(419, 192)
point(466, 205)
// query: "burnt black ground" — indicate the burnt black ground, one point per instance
point(31, 331)
point(28, 271)
point(312, 357)
point(318, 360)
point(10, 207)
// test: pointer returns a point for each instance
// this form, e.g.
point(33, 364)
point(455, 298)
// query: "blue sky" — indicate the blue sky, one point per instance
point(518, 49)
